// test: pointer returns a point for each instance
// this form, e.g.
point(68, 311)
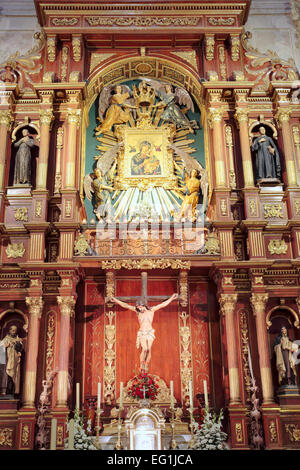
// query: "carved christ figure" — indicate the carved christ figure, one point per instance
point(145, 335)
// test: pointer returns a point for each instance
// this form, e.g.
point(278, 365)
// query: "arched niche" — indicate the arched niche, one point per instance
point(277, 317)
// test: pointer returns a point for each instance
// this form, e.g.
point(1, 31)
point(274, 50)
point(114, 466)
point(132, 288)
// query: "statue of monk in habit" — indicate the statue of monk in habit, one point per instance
point(10, 357)
point(267, 157)
point(22, 174)
point(145, 335)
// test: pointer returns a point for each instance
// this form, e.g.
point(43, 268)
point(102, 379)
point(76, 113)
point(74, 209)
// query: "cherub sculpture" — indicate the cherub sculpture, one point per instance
point(114, 104)
point(97, 183)
point(172, 101)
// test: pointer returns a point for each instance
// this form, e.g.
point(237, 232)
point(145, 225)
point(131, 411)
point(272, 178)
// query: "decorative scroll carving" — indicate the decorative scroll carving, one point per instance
point(81, 247)
point(188, 56)
point(235, 48)
point(51, 48)
point(221, 21)
point(277, 247)
point(64, 63)
point(25, 435)
point(21, 214)
point(209, 46)
point(186, 371)
point(272, 211)
point(183, 286)
point(293, 432)
point(146, 264)
point(76, 44)
point(50, 344)
point(66, 305)
point(245, 351)
point(6, 437)
point(15, 250)
point(35, 306)
point(143, 21)
point(212, 244)
point(239, 433)
point(273, 431)
point(64, 21)
point(222, 62)
point(110, 357)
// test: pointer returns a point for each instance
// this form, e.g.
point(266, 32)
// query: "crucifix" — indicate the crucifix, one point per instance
point(145, 335)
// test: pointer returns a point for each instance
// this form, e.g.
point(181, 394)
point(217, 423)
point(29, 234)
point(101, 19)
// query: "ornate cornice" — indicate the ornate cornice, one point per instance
point(146, 264)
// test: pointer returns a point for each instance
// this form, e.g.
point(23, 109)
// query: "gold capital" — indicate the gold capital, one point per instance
point(6, 117)
point(241, 115)
point(66, 305)
point(46, 116)
point(35, 305)
point(227, 303)
point(215, 115)
point(74, 116)
point(282, 116)
point(259, 302)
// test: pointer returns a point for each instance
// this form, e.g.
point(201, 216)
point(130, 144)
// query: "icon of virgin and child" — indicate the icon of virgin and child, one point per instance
point(145, 162)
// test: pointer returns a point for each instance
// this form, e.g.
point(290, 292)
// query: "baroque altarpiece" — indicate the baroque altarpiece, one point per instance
point(148, 149)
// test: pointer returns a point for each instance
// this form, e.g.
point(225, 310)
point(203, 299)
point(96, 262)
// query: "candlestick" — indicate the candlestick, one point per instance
point(99, 396)
point(77, 396)
point(53, 434)
point(71, 435)
point(118, 445)
point(172, 393)
point(121, 394)
point(205, 394)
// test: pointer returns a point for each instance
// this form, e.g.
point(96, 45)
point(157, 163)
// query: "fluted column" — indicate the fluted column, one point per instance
point(259, 302)
point(35, 305)
point(73, 119)
point(241, 116)
point(215, 117)
point(227, 304)
point(46, 117)
point(5, 122)
point(283, 119)
point(66, 305)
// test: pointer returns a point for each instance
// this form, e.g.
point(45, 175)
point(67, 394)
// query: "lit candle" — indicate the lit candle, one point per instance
point(172, 393)
point(121, 394)
point(191, 393)
point(205, 393)
point(99, 396)
point(71, 435)
point(53, 434)
point(77, 396)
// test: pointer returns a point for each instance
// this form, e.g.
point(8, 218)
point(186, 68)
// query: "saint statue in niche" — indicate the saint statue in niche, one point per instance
point(267, 157)
point(285, 365)
point(22, 173)
point(10, 360)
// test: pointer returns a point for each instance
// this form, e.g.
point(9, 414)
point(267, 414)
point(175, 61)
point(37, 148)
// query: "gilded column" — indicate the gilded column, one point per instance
point(73, 119)
point(227, 304)
point(46, 117)
point(66, 305)
point(283, 119)
point(5, 123)
point(259, 302)
point(215, 117)
point(35, 305)
point(241, 116)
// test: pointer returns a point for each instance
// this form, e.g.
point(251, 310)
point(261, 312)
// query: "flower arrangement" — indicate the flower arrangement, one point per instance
point(210, 435)
point(143, 386)
point(82, 438)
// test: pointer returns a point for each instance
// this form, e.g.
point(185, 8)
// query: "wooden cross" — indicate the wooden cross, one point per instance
point(144, 294)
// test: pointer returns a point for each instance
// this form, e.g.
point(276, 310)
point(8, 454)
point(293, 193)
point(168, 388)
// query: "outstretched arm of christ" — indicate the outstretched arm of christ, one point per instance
point(165, 303)
point(122, 304)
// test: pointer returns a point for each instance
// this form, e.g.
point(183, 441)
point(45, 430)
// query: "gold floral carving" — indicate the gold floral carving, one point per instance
point(64, 21)
point(235, 48)
point(51, 48)
point(5, 117)
point(245, 351)
point(253, 207)
point(146, 264)
point(25, 435)
point(219, 21)
point(81, 247)
point(6, 437)
point(76, 44)
point(188, 56)
point(272, 211)
point(21, 214)
point(66, 305)
point(35, 306)
point(222, 62)
point(223, 207)
point(293, 432)
point(186, 371)
point(59, 146)
point(38, 209)
point(273, 431)
point(110, 357)
point(212, 76)
point(50, 344)
point(259, 302)
point(15, 250)
point(277, 247)
point(183, 286)
point(97, 59)
point(212, 245)
point(142, 21)
point(238, 432)
point(209, 47)
point(68, 208)
point(60, 435)
point(64, 63)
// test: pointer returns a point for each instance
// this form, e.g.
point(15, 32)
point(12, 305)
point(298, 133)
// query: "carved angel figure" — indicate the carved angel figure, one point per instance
point(113, 107)
point(173, 100)
point(97, 184)
point(189, 204)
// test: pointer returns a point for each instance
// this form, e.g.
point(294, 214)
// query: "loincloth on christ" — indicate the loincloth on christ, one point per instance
point(147, 334)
